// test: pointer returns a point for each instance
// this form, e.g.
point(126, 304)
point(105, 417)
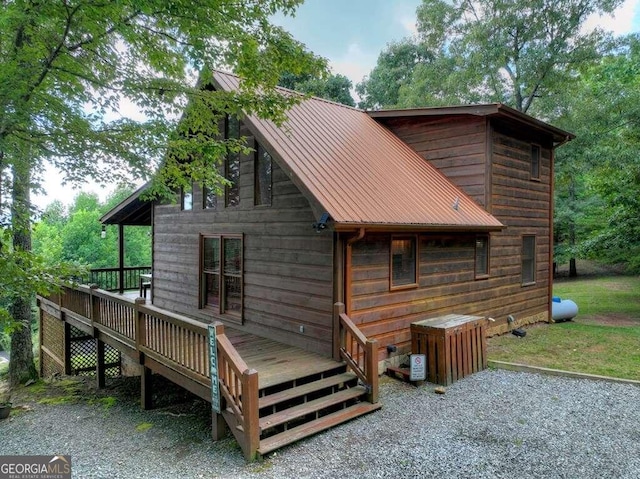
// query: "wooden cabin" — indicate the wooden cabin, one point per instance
point(399, 214)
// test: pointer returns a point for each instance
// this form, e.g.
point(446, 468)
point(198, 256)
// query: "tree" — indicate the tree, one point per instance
point(498, 51)
point(331, 87)
point(67, 69)
point(603, 106)
point(394, 69)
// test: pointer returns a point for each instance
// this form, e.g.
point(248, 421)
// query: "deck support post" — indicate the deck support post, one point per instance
point(146, 389)
point(218, 426)
point(100, 366)
point(338, 309)
point(372, 370)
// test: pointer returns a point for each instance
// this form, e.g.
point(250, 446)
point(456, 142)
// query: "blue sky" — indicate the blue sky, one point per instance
point(350, 34)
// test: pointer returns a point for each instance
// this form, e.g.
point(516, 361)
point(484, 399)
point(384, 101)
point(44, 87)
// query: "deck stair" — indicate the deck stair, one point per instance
point(302, 407)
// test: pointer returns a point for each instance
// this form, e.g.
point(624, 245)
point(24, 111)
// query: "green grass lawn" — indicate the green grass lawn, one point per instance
point(603, 339)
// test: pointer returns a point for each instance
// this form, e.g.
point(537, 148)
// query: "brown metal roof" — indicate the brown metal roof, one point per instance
point(491, 109)
point(360, 172)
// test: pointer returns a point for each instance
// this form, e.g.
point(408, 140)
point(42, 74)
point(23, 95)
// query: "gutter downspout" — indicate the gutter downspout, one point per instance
point(348, 269)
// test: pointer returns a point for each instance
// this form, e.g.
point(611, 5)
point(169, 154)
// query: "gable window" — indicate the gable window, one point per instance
point(535, 162)
point(404, 264)
point(262, 177)
point(528, 259)
point(186, 198)
point(232, 163)
point(209, 199)
point(482, 256)
point(221, 282)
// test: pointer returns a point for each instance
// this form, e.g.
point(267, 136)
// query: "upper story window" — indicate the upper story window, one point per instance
point(232, 163)
point(535, 162)
point(482, 257)
point(186, 198)
point(262, 177)
point(404, 262)
point(209, 199)
point(528, 259)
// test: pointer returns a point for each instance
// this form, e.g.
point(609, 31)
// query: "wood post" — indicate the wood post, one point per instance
point(94, 310)
point(100, 366)
point(250, 412)
point(218, 424)
point(146, 388)
point(121, 258)
point(140, 328)
point(338, 309)
point(372, 370)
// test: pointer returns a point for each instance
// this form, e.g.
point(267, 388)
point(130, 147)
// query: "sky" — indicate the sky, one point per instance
point(350, 34)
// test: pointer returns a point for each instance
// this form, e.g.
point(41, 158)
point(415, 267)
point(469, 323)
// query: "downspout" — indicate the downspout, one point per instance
point(348, 269)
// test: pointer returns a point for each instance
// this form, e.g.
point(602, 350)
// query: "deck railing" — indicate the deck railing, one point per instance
point(353, 347)
point(177, 343)
point(109, 278)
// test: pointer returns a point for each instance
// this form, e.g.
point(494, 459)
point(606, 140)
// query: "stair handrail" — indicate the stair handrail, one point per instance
point(240, 390)
point(352, 346)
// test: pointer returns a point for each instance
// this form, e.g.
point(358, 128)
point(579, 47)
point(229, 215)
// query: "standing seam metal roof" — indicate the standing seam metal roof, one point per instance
point(359, 171)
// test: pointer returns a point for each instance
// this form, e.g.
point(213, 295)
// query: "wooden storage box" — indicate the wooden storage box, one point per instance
point(455, 346)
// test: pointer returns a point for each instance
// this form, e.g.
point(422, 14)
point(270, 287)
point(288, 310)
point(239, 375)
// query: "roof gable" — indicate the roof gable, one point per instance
point(359, 171)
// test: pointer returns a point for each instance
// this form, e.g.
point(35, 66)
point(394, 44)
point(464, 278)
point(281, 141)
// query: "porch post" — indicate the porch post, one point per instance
point(121, 257)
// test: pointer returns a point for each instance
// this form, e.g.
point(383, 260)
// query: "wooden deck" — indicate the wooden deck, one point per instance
point(270, 394)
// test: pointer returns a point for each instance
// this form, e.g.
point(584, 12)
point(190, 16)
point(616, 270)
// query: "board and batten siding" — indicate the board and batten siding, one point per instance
point(287, 266)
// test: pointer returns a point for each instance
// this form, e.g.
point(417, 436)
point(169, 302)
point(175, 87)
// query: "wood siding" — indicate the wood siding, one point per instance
point(447, 281)
point(288, 267)
point(457, 147)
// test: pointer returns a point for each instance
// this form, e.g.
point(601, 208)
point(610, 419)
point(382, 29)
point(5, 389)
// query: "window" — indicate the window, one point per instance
point(209, 199)
point(482, 256)
point(404, 265)
point(222, 274)
point(186, 198)
point(528, 260)
point(535, 162)
point(232, 163)
point(262, 177)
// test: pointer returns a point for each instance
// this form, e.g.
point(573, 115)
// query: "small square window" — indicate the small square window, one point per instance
point(535, 162)
point(482, 256)
point(404, 263)
point(528, 260)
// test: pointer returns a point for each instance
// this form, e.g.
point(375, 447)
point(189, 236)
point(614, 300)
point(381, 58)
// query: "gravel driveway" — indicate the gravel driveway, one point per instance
point(493, 424)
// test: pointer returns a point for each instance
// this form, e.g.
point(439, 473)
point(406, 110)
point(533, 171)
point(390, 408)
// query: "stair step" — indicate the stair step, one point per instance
point(301, 410)
point(310, 428)
point(298, 391)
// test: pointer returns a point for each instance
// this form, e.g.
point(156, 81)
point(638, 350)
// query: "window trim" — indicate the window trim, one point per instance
point(416, 243)
point(535, 147)
point(487, 272)
point(258, 148)
point(237, 318)
point(533, 259)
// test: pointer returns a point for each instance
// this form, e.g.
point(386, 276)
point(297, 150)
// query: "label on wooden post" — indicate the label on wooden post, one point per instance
point(213, 362)
point(418, 370)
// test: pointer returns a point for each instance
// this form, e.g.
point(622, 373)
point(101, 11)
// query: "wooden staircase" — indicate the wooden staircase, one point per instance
point(305, 406)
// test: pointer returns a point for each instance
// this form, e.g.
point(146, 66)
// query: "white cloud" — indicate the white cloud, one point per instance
point(354, 63)
point(620, 23)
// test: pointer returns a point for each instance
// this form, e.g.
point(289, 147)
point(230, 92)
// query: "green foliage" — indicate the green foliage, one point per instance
point(332, 87)
point(487, 51)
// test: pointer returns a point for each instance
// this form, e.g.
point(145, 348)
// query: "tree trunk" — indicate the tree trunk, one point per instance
point(21, 365)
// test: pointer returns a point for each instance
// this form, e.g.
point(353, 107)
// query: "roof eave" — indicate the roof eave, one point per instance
point(108, 217)
point(427, 228)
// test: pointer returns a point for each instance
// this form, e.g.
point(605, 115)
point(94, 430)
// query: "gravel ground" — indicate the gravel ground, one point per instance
point(494, 424)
